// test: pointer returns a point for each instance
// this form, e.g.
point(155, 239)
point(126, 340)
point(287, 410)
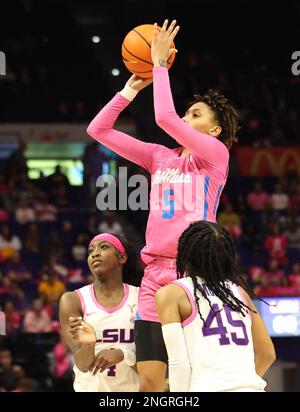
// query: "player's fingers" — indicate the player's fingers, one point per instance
point(155, 32)
point(98, 367)
point(175, 31)
point(75, 318)
point(75, 324)
point(98, 360)
point(171, 27)
point(107, 365)
point(165, 25)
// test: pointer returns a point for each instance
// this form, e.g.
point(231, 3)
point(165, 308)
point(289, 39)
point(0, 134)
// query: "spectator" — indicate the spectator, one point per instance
point(258, 198)
point(23, 383)
point(16, 270)
point(276, 245)
point(279, 199)
point(51, 287)
point(62, 201)
point(110, 224)
point(231, 221)
point(63, 367)
point(45, 212)
point(37, 320)
point(293, 236)
point(54, 246)
point(56, 266)
point(274, 283)
point(17, 297)
point(79, 249)
point(57, 178)
point(12, 319)
point(24, 213)
point(91, 226)
point(9, 243)
point(6, 370)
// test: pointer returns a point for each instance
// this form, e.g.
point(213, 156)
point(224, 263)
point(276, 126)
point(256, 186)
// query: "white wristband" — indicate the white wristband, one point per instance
point(128, 92)
point(129, 357)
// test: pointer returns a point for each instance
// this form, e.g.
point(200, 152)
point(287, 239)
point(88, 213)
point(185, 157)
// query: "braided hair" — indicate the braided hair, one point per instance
point(225, 114)
point(206, 250)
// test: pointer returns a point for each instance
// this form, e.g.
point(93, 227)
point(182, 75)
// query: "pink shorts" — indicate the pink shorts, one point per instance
point(158, 273)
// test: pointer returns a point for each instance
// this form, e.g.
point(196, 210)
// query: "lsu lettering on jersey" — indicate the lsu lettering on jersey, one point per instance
point(221, 352)
point(114, 328)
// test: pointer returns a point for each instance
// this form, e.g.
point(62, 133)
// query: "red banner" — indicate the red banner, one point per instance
point(268, 162)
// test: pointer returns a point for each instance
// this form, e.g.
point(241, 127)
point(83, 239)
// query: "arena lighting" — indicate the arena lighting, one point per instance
point(115, 72)
point(96, 39)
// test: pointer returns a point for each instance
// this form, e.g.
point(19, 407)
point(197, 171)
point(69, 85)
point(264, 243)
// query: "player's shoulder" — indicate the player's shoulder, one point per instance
point(69, 298)
point(170, 291)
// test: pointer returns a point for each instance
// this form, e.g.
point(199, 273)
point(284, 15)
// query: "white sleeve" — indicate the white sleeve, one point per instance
point(179, 364)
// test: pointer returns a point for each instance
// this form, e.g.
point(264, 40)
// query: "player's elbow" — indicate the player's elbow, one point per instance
point(82, 365)
point(270, 355)
point(264, 359)
point(93, 131)
point(96, 133)
point(164, 118)
point(159, 119)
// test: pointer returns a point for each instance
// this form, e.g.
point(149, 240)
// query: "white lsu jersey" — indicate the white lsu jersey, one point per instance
point(114, 328)
point(221, 352)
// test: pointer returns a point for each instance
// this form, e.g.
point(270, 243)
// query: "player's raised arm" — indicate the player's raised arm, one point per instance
point(208, 128)
point(101, 127)
point(84, 353)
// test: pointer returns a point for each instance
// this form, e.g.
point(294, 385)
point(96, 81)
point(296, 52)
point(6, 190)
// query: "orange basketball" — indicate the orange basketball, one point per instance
point(136, 51)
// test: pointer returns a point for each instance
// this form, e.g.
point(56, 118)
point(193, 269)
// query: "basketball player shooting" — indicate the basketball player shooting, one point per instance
point(197, 169)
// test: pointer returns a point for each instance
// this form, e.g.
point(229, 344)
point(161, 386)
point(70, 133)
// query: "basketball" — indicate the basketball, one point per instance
point(136, 51)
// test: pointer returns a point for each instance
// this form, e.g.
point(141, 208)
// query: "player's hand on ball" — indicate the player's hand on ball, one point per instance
point(105, 359)
point(82, 331)
point(162, 40)
point(137, 83)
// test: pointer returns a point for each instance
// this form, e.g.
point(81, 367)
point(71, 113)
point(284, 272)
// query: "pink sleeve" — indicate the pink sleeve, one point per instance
point(206, 148)
point(101, 129)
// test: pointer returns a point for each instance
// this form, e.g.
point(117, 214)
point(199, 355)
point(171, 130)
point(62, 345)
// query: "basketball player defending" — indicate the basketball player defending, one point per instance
point(215, 338)
point(186, 185)
point(98, 322)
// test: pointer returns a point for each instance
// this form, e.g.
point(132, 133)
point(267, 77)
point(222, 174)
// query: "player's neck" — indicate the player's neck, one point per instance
point(109, 294)
point(108, 286)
